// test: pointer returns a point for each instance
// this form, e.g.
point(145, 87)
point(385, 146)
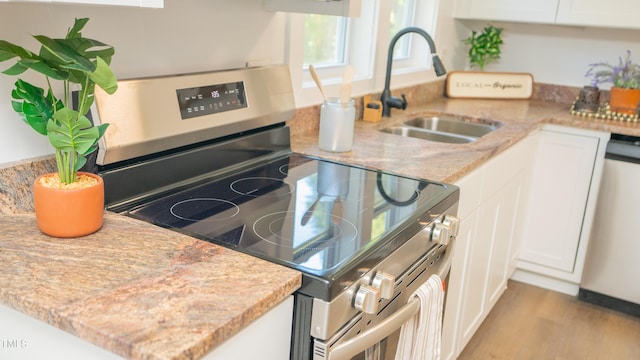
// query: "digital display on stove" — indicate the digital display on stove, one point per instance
point(212, 99)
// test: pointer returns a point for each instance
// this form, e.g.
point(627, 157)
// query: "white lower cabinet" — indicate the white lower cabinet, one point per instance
point(24, 337)
point(267, 338)
point(562, 201)
point(491, 207)
point(526, 215)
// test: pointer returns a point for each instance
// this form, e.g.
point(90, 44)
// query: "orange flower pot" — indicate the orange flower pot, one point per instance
point(67, 213)
point(624, 101)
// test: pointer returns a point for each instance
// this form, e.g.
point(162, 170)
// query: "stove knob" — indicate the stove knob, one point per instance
point(366, 299)
point(440, 234)
point(385, 283)
point(453, 223)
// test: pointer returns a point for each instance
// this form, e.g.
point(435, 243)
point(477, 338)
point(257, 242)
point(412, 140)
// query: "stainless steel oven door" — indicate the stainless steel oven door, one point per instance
point(375, 336)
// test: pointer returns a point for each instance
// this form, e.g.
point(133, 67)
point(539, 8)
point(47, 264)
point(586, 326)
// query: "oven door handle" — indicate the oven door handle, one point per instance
point(354, 346)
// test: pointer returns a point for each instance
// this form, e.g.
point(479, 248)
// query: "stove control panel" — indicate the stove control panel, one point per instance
point(207, 100)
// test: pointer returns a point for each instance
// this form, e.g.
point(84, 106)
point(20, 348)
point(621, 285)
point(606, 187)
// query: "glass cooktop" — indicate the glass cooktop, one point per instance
point(309, 214)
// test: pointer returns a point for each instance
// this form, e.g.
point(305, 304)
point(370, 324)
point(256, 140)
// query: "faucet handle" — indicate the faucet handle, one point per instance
point(396, 102)
point(404, 102)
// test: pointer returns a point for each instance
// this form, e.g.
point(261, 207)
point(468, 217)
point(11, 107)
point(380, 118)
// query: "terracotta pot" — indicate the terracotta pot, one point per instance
point(67, 213)
point(624, 101)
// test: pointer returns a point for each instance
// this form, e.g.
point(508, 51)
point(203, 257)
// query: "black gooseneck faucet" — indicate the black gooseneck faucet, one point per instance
point(389, 101)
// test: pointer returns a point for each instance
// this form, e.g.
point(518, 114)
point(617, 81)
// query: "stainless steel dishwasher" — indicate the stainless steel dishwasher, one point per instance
point(612, 265)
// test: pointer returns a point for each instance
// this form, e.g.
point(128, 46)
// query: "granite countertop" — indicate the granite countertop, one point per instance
point(135, 289)
point(146, 292)
point(449, 162)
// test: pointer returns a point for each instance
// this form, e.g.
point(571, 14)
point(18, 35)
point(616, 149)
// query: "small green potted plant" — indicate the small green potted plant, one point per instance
point(484, 47)
point(71, 60)
point(624, 95)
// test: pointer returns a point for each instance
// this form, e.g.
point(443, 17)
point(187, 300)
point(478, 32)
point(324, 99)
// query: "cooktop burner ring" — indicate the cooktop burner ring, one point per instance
point(284, 169)
point(175, 211)
point(237, 186)
point(340, 228)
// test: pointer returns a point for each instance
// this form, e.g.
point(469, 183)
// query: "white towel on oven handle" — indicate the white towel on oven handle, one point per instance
point(420, 337)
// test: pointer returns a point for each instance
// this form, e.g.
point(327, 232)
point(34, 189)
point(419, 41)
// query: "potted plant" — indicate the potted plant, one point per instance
point(68, 203)
point(624, 94)
point(484, 47)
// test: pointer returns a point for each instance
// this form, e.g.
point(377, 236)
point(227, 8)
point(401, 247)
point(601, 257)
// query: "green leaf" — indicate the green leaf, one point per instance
point(69, 131)
point(34, 107)
point(80, 161)
point(104, 77)
point(9, 51)
point(45, 69)
point(77, 26)
point(68, 57)
point(16, 69)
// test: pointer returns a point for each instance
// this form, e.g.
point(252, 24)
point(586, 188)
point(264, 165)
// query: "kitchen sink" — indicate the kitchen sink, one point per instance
point(423, 134)
point(447, 129)
point(451, 126)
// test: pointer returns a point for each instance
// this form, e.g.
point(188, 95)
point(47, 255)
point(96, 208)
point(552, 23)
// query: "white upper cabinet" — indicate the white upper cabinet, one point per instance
point(350, 8)
point(508, 10)
point(612, 13)
point(138, 3)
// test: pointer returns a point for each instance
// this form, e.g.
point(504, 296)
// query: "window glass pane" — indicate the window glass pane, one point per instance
point(324, 40)
point(402, 15)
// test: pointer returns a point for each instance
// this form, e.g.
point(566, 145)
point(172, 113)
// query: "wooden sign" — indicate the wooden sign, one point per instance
point(489, 85)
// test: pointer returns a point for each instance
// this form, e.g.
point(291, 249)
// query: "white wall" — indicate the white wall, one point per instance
point(555, 54)
point(185, 36)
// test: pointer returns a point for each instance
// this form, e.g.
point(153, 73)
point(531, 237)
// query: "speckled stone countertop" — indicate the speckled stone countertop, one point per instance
point(135, 289)
point(146, 292)
point(449, 162)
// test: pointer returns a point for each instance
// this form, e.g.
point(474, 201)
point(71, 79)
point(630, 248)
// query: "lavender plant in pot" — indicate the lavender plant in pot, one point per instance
point(624, 95)
point(68, 203)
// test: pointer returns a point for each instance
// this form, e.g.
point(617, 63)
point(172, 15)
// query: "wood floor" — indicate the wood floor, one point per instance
point(533, 323)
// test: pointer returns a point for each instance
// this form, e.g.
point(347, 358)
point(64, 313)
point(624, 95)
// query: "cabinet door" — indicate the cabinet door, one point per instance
point(473, 278)
point(504, 208)
point(559, 193)
point(613, 13)
point(138, 3)
point(508, 10)
point(350, 8)
point(457, 290)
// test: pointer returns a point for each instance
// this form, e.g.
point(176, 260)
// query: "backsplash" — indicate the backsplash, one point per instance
point(16, 182)
point(307, 120)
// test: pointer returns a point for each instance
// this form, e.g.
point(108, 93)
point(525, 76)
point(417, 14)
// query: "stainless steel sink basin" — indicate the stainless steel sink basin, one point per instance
point(451, 126)
point(418, 133)
point(447, 129)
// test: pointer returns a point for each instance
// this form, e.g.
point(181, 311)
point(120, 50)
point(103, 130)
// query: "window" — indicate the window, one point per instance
point(401, 16)
point(325, 40)
point(331, 42)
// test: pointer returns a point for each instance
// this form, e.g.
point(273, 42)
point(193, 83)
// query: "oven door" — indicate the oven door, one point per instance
point(376, 336)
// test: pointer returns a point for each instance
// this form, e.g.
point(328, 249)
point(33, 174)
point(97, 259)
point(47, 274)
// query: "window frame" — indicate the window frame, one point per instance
point(367, 56)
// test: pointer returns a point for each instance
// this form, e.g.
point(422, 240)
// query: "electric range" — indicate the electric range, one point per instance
point(209, 155)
